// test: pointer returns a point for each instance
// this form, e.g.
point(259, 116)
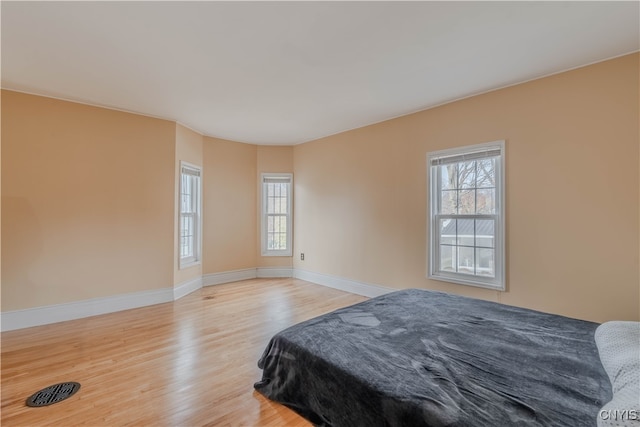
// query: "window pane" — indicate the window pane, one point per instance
point(466, 232)
point(485, 234)
point(449, 175)
point(277, 198)
point(271, 202)
point(186, 184)
point(448, 231)
point(269, 206)
point(448, 202)
point(277, 232)
point(187, 226)
point(465, 260)
point(186, 246)
point(277, 223)
point(190, 246)
point(486, 263)
point(185, 205)
point(486, 202)
point(193, 193)
point(487, 173)
point(467, 202)
point(448, 258)
point(467, 174)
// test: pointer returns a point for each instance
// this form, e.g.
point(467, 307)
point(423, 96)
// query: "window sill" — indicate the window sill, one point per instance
point(186, 265)
point(276, 254)
point(468, 282)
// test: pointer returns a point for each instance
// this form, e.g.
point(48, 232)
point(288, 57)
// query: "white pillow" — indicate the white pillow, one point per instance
point(619, 348)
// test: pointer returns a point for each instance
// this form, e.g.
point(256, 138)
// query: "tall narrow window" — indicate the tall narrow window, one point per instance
point(189, 215)
point(276, 214)
point(466, 238)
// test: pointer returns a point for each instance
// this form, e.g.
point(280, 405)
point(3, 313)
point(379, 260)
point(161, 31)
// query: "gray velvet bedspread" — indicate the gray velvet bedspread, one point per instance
point(421, 358)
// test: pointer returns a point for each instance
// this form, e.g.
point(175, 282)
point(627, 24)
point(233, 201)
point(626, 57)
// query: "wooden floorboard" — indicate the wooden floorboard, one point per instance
point(187, 363)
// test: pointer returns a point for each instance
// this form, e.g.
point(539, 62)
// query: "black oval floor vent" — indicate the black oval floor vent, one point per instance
point(53, 394)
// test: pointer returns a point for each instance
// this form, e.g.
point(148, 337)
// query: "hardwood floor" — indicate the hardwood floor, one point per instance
point(187, 363)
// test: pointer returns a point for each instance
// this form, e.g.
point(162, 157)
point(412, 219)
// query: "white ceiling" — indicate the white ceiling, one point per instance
point(290, 72)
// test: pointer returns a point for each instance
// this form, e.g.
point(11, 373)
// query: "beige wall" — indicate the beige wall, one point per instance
point(189, 146)
point(229, 193)
point(232, 203)
point(572, 186)
point(89, 197)
point(278, 159)
point(87, 202)
point(1, 93)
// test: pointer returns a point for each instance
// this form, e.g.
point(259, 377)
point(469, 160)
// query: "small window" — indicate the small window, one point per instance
point(466, 198)
point(276, 214)
point(189, 215)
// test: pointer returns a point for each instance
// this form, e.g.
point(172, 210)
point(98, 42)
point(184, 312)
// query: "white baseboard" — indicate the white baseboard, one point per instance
point(229, 276)
point(266, 272)
point(185, 288)
point(18, 319)
point(347, 285)
point(37, 316)
point(246, 274)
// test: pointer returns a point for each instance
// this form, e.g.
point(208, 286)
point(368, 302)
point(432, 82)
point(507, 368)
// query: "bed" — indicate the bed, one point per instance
point(423, 358)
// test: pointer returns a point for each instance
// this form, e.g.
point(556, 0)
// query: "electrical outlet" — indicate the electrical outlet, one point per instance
point(301, 256)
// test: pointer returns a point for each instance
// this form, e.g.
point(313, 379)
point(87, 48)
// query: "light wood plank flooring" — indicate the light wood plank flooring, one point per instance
point(187, 363)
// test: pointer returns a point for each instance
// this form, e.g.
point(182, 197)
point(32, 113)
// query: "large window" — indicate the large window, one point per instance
point(466, 198)
point(276, 214)
point(189, 215)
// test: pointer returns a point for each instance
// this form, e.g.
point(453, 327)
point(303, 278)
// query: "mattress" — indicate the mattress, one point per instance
point(423, 358)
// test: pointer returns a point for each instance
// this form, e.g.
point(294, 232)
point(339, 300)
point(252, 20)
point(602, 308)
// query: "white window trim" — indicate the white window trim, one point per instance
point(196, 259)
point(499, 282)
point(263, 216)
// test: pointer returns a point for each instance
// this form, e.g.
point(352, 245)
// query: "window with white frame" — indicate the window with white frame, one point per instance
point(466, 198)
point(276, 214)
point(189, 215)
